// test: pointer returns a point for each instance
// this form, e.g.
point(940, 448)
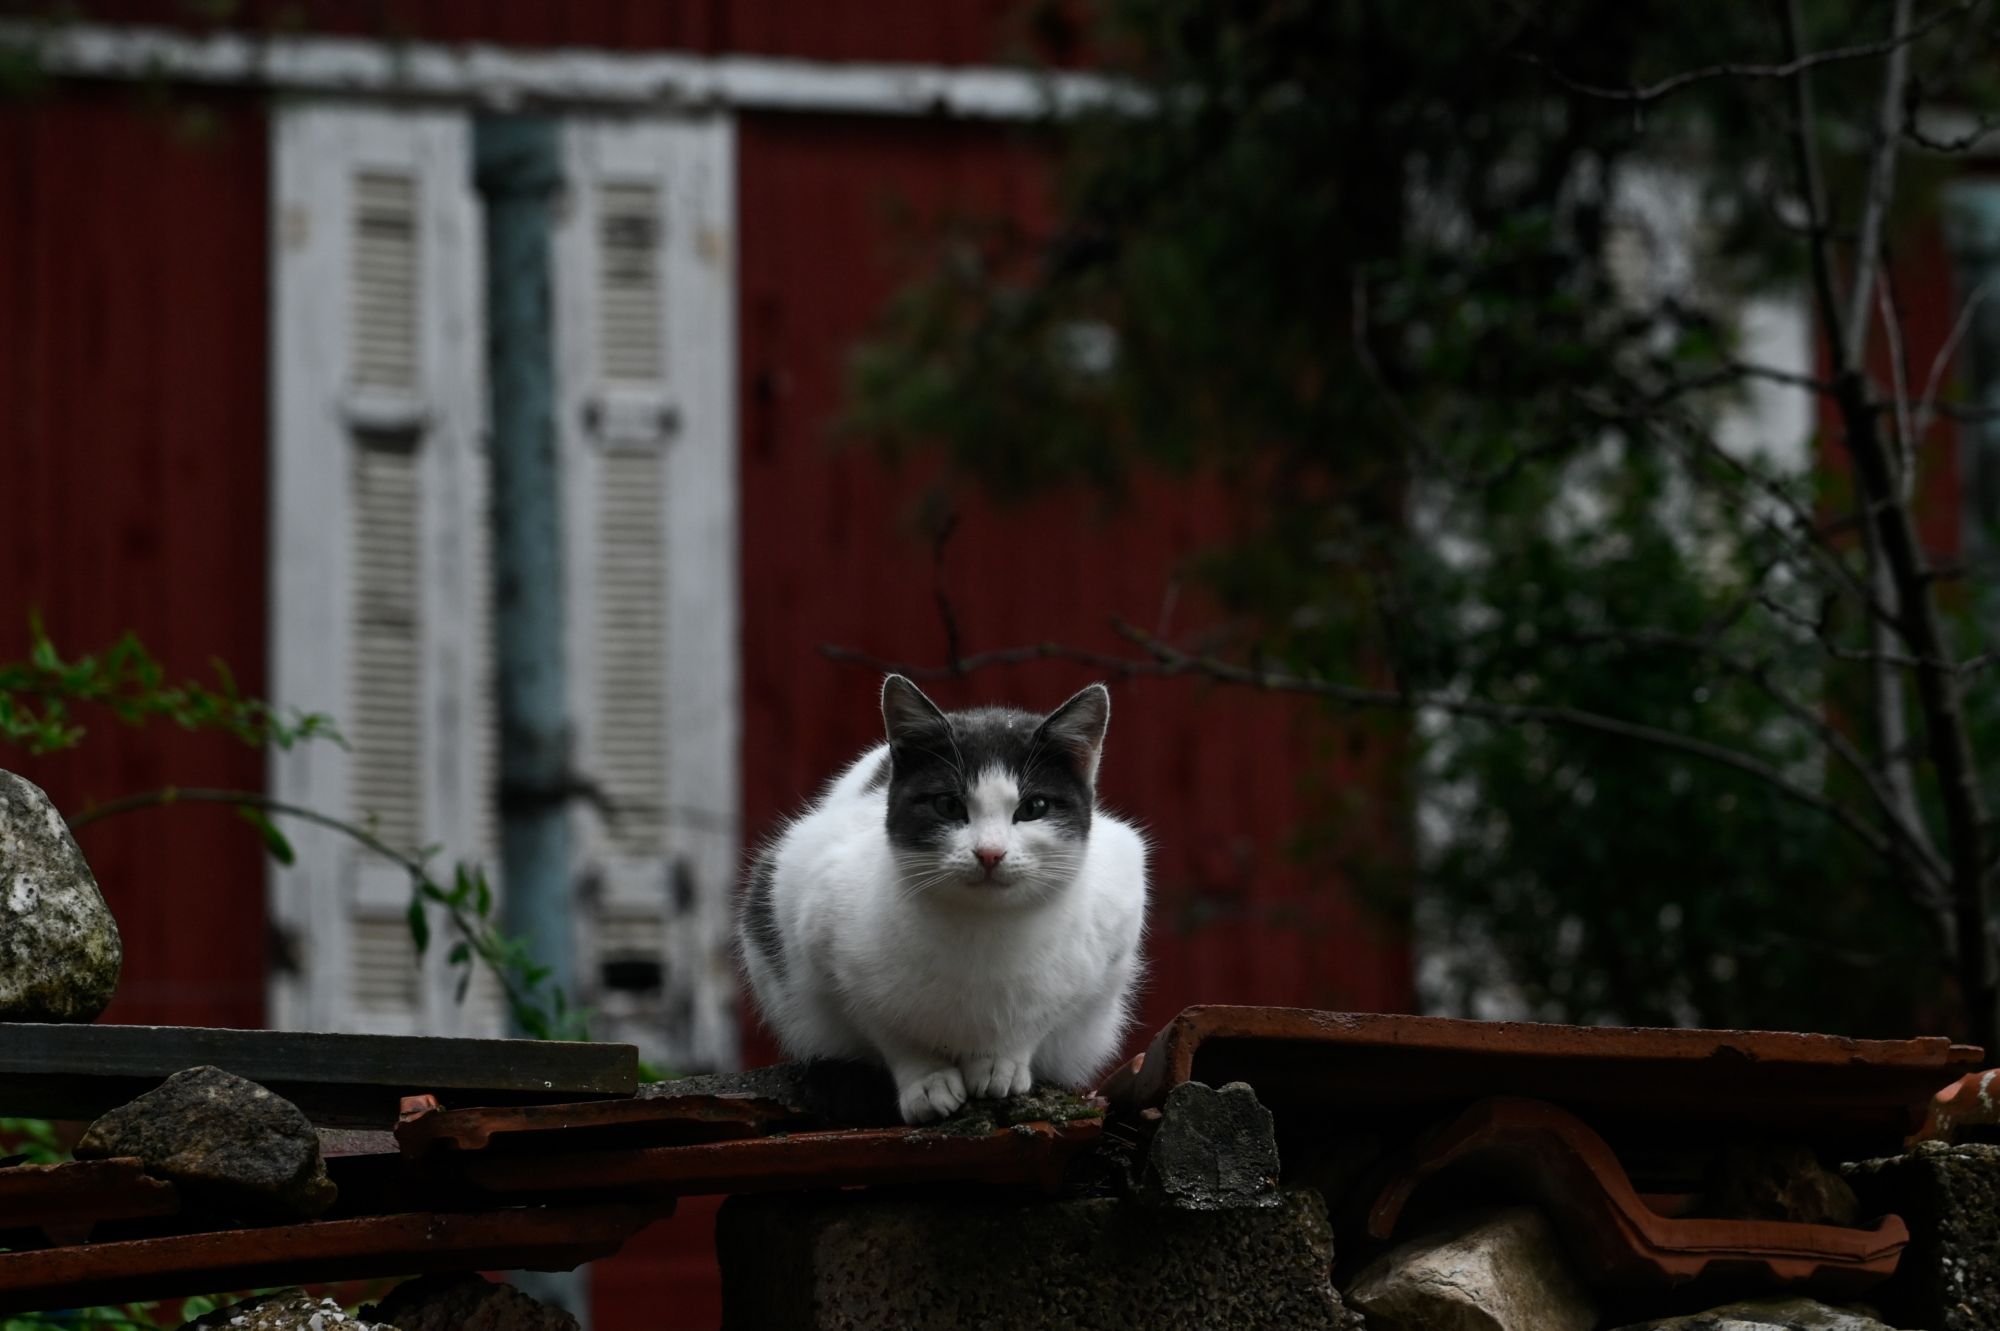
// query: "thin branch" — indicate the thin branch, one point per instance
point(1927, 405)
point(1839, 652)
point(1805, 157)
point(1912, 834)
point(410, 864)
point(1651, 92)
point(1905, 438)
point(1881, 185)
point(1902, 561)
point(1771, 373)
point(169, 795)
point(1164, 661)
point(1806, 536)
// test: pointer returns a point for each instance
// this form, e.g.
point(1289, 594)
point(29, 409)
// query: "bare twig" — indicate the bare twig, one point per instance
point(1899, 373)
point(166, 796)
point(1652, 92)
point(1772, 374)
point(1898, 816)
point(1164, 661)
point(1812, 190)
point(1881, 186)
point(1927, 405)
point(1903, 563)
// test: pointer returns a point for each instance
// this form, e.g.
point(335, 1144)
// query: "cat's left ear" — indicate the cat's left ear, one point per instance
point(907, 715)
point(1078, 726)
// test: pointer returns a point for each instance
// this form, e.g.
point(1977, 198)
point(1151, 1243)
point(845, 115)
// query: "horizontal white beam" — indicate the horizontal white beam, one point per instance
point(511, 77)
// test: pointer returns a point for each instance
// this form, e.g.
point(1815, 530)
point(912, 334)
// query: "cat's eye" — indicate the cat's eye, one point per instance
point(949, 806)
point(1033, 807)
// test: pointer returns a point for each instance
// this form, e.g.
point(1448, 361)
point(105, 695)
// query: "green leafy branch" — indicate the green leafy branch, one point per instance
point(38, 695)
point(34, 1140)
point(539, 1008)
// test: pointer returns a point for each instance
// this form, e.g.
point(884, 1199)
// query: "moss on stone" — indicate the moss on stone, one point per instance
point(1048, 1104)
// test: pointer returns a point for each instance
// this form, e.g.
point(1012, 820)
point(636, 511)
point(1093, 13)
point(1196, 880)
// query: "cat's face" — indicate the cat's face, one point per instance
point(991, 805)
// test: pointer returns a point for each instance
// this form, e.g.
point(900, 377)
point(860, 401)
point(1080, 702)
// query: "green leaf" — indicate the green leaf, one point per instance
point(420, 925)
point(274, 840)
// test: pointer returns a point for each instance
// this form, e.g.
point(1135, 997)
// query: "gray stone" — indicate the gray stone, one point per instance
point(288, 1310)
point(1767, 1315)
point(466, 1303)
point(228, 1144)
point(1214, 1150)
point(1491, 1271)
point(59, 948)
point(844, 1262)
point(1949, 1196)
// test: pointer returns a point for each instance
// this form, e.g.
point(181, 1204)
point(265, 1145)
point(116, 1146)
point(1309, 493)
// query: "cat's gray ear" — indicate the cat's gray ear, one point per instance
point(1078, 725)
point(906, 713)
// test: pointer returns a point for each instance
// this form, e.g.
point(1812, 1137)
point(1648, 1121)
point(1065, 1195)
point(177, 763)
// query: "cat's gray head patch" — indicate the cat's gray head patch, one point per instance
point(945, 768)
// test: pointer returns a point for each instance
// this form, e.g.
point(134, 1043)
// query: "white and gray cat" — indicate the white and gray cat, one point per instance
point(955, 906)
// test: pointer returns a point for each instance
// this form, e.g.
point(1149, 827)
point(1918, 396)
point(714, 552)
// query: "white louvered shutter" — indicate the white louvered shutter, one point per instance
point(380, 593)
point(645, 304)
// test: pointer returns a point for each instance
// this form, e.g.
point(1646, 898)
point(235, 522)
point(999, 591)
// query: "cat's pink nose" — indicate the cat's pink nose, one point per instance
point(988, 859)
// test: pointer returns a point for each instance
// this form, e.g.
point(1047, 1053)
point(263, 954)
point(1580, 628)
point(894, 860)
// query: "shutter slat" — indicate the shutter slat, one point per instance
point(382, 282)
point(383, 964)
point(630, 323)
point(386, 701)
point(631, 739)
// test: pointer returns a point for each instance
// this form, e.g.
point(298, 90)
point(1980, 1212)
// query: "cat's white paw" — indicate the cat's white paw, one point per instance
point(932, 1096)
point(995, 1077)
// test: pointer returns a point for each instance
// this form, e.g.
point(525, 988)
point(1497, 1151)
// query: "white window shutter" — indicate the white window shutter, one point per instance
point(645, 300)
point(380, 595)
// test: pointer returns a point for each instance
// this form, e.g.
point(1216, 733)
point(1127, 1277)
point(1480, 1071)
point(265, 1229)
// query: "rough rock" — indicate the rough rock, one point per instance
point(228, 1144)
point(1777, 1181)
point(1949, 1196)
point(1768, 1315)
point(466, 1303)
point(59, 948)
point(845, 1262)
point(1214, 1150)
point(288, 1310)
point(1491, 1271)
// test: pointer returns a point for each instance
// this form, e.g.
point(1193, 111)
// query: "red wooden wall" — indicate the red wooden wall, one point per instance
point(132, 392)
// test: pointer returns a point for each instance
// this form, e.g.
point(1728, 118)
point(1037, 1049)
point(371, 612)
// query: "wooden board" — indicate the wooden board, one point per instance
point(554, 1238)
point(78, 1072)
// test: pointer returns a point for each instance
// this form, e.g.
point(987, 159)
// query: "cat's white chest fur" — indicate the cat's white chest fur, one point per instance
point(955, 908)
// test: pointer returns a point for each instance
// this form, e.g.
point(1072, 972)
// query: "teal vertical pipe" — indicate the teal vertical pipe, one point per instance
point(517, 167)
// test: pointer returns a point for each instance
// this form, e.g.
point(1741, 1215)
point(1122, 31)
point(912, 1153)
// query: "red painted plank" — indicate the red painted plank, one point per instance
point(134, 377)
